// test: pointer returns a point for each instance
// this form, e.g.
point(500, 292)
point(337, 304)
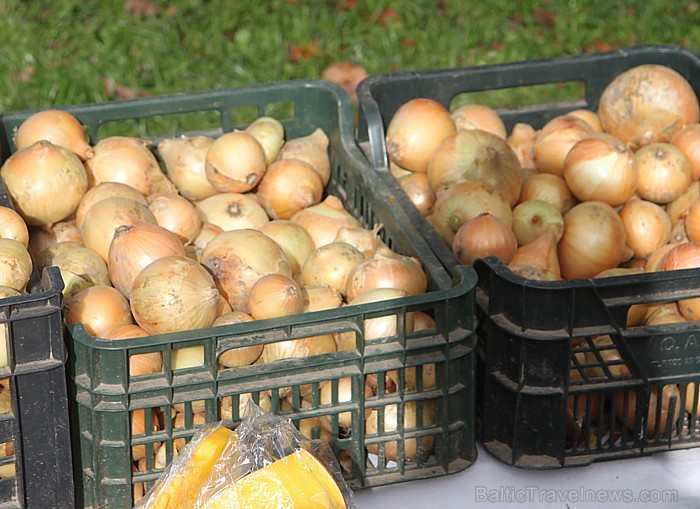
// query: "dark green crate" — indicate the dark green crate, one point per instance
point(105, 394)
point(529, 332)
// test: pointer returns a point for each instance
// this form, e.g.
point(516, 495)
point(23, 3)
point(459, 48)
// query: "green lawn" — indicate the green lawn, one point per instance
point(74, 51)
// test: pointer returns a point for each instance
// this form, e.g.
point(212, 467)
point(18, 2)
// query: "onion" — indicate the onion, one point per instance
point(589, 116)
point(104, 217)
point(269, 132)
point(313, 150)
point(80, 267)
point(33, 177)
point(383, 326)
point(397, 171)
point(549, 188)
point(684, 256)
point(235, 162)
point(294, 240)
point(175, 213)
point(139, 364)
point(45, 259)
point(41, 237)
point(15, 264)
point(692, 222)
point(476, 156)
point(479, 116)
point(184, 160)
point(600, 167)
point(664, 172)
point(106, 190)
point(415, 131)
point(323, 221)
point(12, 226)
point(655, 261)
point(135, 247)
point(330, 394)
point(275, 296)
point(238, 258)
point(462, 202)
point(691, 406)
point(538, 259)
point(330, 265)
point(522, 140)
point(649, 422)
point(138, 428)
point(174, 294)
point(687, 140)
point(98, 308)
point(386, 269)
point(56, 126)
point(555, 140)
point(532, 217)
point(241, 356)
point(647, 104)
point(663, 315)
point(678, 208)
point(289, 186)
point(206, 233)
point(417, 188)
point(483, 236)
point(578, 409)
point(410, 379)
point(127, 160)
point(364, 240)
point(410, 422)
point(646, 225)
point(232, 211)
point(264, 402)
point(294, 348)
point(319, 298)
point(594, 240)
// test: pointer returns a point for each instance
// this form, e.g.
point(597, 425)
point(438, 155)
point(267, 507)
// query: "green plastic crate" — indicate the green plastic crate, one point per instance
point(105, 394)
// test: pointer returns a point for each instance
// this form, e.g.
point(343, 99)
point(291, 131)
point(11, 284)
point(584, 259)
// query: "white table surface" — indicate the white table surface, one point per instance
point(488, 483)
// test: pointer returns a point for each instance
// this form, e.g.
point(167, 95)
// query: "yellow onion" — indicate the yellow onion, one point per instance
point(538, 259)
point(176, 214)
point(684, 256)
point(462, 202)
point(138, 424)
point(397, 171)
point(127, 160)
point(656, 400)
point(600, 167)
point(479, 116)
point(289, 186)
point(98, 308)
point(104, 217)
point(594, 240)
point(45, 182)
point(549, 188)
point(269, 132)
point(646, 225)
point(12, 226)
point(589, 116)
point(483, 236)
point(556, 139)
point(417, 187)
point(235, 162)
point(532, 217)
point(46, 257)
point(42, 237)
point(522, 141)
point(678, 208)
point(647, 104)
point(655, 261)
point(332, 394)
point(691, 222)
point(134, 247)
point(330, 265)
point(663, 314)
point(275, 296)
point(264, 401)
point(80, 267)
point(687, 140)
point(692, 406)
point(238, 258)
point(477, 156)
point(313, 150)
point(293, 348)
point(184, 159)
point(294, 240)
point(415, 131)
point(206, 233)
point(56, 126)
point(410, 422)
point(106, 190)
point(364, 240)
point(15, 264)
point(319, 298)
point(410, 377)
point(383, 326)
point(139, 364)
point(386, 269)
point(174, 294)
point(664, 172)
point(323, 221)
point(241, 356)
point(232, 211)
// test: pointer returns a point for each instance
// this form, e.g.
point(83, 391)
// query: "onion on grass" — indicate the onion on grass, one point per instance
point(56, 126)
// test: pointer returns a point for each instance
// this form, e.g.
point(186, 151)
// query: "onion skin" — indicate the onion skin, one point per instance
point(242, 356)
point(56, 126)
point(538, 259)
point(323, 221)
point(687, 140)
point(684, 256)
point(232, 211)
point(184, 160)
point(294, 240)
point(550, 188)
point(532, 217)
point(331, 265)
point(269, 132)
point(417, 188)
point(139, 364)
point(555, 140)
point(313, 150)
point(275, 296)
point(415, 131)
point(12, 226)
point(647, 104)
point(664, 172)
point(15, 264)
point(289, 186)
point(176, 214)
point(386, 270)
point(483, 236)
point(98, 308)
point(647, 226)
point(103, 191)
point(410, 420)
point(479, 116)
point(522, 141)
point(235, 163)
point(588, 116)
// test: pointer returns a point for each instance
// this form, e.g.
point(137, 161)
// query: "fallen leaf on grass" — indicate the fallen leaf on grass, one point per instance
point(345, 74)
point(114, 90)
point(297, 53)
point(141, 8)
point(25, 74)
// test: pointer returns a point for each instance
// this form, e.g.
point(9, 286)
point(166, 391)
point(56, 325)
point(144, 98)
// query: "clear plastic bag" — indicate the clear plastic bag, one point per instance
point(264, 463)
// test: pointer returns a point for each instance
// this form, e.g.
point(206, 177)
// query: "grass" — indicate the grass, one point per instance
point(63, 52)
